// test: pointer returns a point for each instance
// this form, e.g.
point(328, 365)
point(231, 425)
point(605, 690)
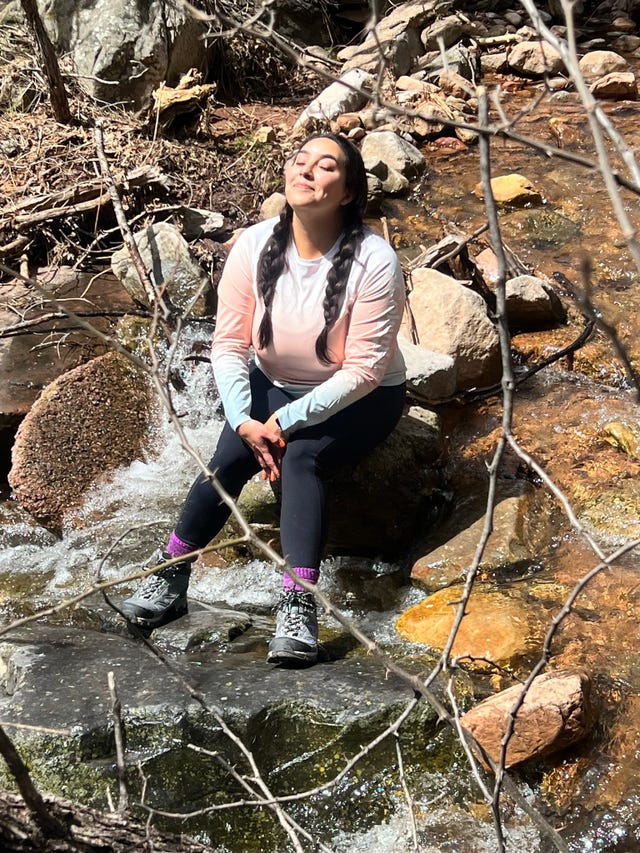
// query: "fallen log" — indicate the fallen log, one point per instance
point(82, 198)
point(88, 829)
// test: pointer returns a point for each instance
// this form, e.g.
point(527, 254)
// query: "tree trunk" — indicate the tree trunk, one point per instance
point(57, 91)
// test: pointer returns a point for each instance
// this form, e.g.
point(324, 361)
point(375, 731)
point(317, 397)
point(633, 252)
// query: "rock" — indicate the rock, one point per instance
point(430, 375)
point(598, 63)
point(273, 205)
point(459, 60)
point(496, 626)
point(340, 97)
point(495, 63)
point(124, 50)
point(264, 135)
point(197, 223)
point(487, 264)
point(532, 304)
point(396, 38)
point(166, 255)
point(624, 436)
point(301, 724)
point(620, 85)
point(92, 419)
point(394, 152)
point(454, 84)
point(546, 228)
point(511, 189)
point(508, 543)
point(346, 122)
point(391, 180)
point(446, 30)
point(451, 319)
point(556, 712)
point(534, 59)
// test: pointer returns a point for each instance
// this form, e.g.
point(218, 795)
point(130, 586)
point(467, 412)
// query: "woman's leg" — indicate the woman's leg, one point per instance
point(204, 513)
point(312, 453)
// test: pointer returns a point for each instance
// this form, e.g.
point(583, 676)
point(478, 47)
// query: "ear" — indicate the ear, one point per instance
point(348, 196)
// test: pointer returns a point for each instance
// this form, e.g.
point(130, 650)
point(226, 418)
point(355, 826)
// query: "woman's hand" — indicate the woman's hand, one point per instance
point(267, 444)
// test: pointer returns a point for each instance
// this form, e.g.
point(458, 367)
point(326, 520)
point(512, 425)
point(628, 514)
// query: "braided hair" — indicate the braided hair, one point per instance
point(272, 258)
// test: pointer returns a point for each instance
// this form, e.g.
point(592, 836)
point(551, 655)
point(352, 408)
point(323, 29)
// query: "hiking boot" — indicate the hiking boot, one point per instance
point(160, 598)
point(296, 638)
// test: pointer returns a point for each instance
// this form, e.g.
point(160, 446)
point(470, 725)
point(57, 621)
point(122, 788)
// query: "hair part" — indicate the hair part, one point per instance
point(272, 258)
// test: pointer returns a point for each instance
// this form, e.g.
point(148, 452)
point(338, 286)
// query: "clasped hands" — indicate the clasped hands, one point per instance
point(267, 443)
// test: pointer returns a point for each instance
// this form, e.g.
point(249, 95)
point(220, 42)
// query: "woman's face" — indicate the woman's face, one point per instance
point(315, 177)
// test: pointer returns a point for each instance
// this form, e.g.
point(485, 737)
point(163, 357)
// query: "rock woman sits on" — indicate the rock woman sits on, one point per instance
point(319, 297)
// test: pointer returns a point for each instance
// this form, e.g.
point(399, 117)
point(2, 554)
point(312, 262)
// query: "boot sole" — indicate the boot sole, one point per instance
point(140, 625)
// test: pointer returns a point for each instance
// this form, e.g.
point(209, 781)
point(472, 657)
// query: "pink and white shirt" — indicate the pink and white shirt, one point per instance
point(362, 343)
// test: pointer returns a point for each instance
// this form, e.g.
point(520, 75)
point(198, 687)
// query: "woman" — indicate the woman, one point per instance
point(319, 297)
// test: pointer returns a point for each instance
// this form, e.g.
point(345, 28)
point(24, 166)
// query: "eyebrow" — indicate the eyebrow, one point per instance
point(322, 156)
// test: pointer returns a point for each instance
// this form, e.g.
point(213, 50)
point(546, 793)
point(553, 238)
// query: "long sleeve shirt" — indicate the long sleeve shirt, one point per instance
point(362, 343)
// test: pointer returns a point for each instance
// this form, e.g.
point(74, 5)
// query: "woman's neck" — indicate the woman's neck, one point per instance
point(313, 239)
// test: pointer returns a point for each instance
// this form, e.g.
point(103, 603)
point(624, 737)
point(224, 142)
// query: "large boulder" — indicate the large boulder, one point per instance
point(88, 421)
point(123, 49)
point(167, 257)
point(391, 159)
point(450, 318)
point(556, 712)
point(396, 39)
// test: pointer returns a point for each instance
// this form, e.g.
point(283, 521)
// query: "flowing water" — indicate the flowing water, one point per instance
point(559, 417)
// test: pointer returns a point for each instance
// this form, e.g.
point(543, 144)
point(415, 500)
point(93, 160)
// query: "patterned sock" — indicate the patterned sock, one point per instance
point(310, 575)
point(177, 548)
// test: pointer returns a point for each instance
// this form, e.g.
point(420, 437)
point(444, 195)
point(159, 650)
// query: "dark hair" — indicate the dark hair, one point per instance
point(272, 258)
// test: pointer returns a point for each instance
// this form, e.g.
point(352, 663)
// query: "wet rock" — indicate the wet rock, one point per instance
point(451, 319)
point(556, 712)
point(497, 626)
point(625, 436)
point(511, 189)
point(508, 543)
point(487, 264)
point(620, 85)
point(545, 227)
point(88, 421)
point(532, 303)
point(534, 59)
point(337, 98)
point(300, 724)
point(168, 259)
point(598, 63)
point(430, 375)
point(387, 148)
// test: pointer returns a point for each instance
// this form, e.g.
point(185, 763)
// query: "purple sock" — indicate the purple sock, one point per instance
point(177, 548)
point(310, 575)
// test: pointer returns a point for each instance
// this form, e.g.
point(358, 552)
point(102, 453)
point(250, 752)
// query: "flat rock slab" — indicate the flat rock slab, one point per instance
point(56, 677)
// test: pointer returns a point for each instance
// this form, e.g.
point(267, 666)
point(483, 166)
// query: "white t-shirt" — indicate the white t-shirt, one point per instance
point(362, 343)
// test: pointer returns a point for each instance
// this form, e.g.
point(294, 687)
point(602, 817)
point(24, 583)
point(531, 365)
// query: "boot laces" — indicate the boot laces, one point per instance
point(295, 608)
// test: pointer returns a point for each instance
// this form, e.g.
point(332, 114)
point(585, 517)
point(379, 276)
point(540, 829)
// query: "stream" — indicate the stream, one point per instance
point(559, 417)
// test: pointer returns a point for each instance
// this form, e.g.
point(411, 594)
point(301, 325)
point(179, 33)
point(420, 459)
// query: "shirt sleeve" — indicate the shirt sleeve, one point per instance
point(232, 338)
point(371, 341)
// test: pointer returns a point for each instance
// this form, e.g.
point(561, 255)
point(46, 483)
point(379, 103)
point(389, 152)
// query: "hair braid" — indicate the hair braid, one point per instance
point(270, 265)
point(337, 278)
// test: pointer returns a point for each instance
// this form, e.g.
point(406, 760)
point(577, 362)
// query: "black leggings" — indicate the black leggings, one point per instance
point(311, 453)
